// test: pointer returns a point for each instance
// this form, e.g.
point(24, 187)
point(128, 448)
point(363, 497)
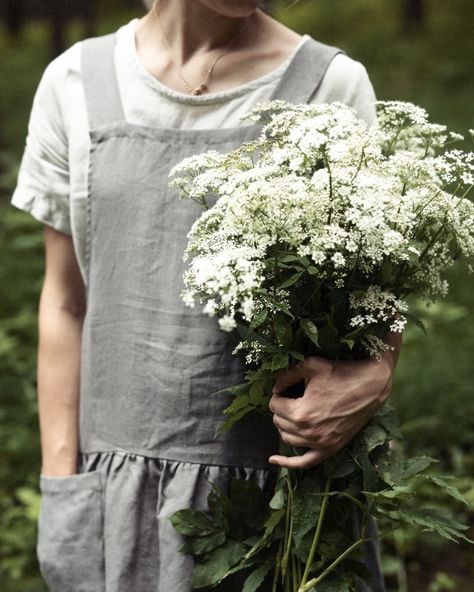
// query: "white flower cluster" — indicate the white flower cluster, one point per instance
point(374, 210)
point(374, 306)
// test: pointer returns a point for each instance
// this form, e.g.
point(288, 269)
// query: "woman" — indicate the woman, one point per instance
point(125, 371)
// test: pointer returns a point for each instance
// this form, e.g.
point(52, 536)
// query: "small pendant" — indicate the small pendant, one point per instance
point(199, 89)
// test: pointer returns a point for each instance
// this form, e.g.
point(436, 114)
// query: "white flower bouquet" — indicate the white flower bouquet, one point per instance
point(312, 240)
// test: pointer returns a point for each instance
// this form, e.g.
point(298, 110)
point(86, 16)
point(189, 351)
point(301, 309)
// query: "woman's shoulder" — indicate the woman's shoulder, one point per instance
point(343, 69)
point(68, 63)
point(347, 80)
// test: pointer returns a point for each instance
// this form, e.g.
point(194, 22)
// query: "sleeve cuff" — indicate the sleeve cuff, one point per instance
point(51, 209)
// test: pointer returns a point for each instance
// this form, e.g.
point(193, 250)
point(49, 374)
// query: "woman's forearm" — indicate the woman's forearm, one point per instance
point(58, 366)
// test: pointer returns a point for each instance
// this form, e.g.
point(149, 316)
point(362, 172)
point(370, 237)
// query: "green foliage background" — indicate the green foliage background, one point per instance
point(433, 390)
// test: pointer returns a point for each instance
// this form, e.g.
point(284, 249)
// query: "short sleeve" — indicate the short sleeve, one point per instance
point(346, 80)
point(43, 179)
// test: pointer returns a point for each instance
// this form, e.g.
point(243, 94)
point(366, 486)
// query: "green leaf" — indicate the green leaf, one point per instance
point(349, 342)
point(395, 493)
point(275, 518)
point(256, 578)
point(239, 403)
point(339, 465)
point(370, 476)
point(433, 520)
point(310, 329)
point(297, 355)
point(204, 544)
point(334, 584)
point(257, 393)
point(374, 436)
point(417, 322)
point(250, 503)
point(306, 506)
point(291, 280)
point(283, 330)
point(232, 419)
point(417, 465)
point(192, 522)
point(278, 500)
point(292, 258)
point(216, 564)
point(259, 319)
point(280, 361)
point(449, 489)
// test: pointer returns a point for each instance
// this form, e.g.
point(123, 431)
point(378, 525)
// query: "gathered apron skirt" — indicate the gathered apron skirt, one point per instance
point(148, 420)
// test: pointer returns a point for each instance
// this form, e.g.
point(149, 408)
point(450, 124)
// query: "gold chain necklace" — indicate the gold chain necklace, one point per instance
point(203, 87)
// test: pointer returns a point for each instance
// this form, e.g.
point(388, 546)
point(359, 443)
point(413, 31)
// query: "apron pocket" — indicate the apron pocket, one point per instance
point(70, 532)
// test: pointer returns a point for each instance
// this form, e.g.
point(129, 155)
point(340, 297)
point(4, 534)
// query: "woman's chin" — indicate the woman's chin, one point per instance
point(233, 8)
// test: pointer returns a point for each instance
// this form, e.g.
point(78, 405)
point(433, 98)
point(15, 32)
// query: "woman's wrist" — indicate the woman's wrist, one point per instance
point(59, 466)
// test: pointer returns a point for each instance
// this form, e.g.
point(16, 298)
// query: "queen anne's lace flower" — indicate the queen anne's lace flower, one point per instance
point(375, 212)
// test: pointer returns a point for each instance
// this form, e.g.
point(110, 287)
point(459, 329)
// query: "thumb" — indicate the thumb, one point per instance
point(287, 378)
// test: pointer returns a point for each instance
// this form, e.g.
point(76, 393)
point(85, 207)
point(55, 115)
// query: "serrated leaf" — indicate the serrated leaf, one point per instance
point(310, 329)
point(374, 435)
point(257, 393)
point(218, 504)
point(305, 507)
point(279, 361)
point(256, 578)
point(339, 465)
point(449, 489)
point(216, 564)
point(239, 402)
point(232, 419)
point(433, 520)
point(203, 544)
point(397, 492)
point(192, 522)
point(417, 465)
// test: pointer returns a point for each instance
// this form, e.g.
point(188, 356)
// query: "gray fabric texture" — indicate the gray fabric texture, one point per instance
point(149, 421)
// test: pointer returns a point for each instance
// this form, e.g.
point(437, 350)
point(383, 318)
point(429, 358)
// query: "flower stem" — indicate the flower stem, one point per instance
point(288, 526)
point(331, 567)
point(317, 536)
point(304, 587)
point(277, 567)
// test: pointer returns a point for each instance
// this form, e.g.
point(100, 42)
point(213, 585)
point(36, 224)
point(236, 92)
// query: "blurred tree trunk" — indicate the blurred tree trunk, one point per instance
point(89, 14)
point(414, 14)
point(15, 15)
point(58, 25)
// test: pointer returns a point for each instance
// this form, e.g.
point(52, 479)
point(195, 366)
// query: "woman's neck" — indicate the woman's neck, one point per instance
point(191, 28)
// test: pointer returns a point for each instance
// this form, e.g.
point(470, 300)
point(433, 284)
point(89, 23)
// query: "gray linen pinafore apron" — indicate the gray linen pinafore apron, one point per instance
point(148, 420)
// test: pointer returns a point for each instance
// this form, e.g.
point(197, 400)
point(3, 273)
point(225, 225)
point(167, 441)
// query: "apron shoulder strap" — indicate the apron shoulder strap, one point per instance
point(305, 72)
point(99, 77)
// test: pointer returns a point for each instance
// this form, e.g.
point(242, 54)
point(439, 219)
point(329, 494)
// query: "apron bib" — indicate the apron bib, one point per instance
point(150, 365)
